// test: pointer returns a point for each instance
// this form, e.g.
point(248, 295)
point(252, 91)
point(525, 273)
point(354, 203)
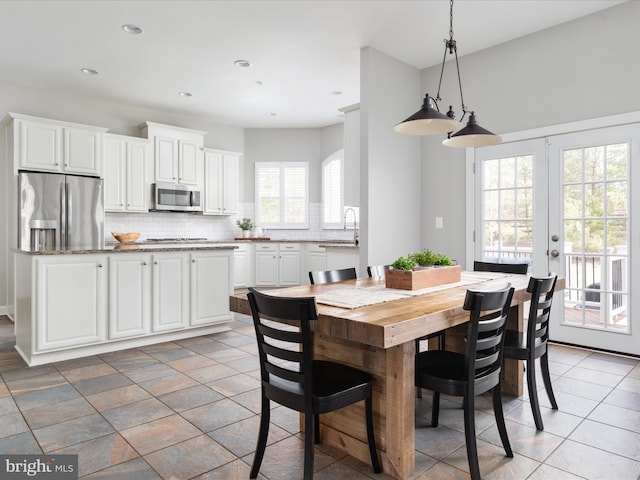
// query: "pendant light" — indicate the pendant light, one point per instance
point(430, 121)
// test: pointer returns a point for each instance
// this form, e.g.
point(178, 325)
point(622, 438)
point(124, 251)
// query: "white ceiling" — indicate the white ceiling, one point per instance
point(301, 51)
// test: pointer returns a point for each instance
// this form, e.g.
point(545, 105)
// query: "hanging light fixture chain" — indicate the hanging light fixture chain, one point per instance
point(451, 20)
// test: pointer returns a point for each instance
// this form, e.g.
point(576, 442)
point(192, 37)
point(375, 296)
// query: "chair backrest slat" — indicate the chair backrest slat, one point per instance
point(377, 271)
point(331, 276)
point(517, 268)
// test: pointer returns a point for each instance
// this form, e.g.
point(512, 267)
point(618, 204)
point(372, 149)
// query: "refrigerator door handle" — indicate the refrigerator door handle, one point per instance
point(69, 208)
point(63, 216)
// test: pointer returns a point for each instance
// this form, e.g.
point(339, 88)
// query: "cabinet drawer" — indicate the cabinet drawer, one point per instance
point(289, 247)
point(266, 247)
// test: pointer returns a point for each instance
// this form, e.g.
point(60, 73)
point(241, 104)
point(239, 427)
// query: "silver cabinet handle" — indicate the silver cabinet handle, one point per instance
point(99, 265)
point(144, 264)
point(155, 263)
point(193, 260)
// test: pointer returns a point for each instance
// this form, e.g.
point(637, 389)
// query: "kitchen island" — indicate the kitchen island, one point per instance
point(81, 302)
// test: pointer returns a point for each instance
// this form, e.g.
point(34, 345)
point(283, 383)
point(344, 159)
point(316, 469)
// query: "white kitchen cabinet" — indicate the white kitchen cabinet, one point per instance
point(170, 291)
point(316, 260)
point(129, 295)
point(289, 264)
point(242, 267)
point(266, 264)
point(177, 153)
point(211, 280)
point(70, 308)
point(125, 174)
point(221, 172)
point(42, 144)
point(277, 264)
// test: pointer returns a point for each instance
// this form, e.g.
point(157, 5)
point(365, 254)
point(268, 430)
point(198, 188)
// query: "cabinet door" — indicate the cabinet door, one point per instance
point(81, 151)
point(240, 269)
point(289, 265)
point(70, 302)
point(40, 146)
point(170, 291)
point(316, 261)
point(229, 186)
point(266, 268)
point(187, 162)
point(211, 277)
point(136, 177)
point(129, 292)
point(114, 175)
point(166, 159)
point(212, 183)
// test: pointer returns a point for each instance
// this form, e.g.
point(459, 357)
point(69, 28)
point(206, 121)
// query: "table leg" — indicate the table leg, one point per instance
point(513, 370)
point(393, 404)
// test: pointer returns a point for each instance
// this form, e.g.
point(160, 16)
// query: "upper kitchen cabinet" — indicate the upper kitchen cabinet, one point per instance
point(48, 145)
point(177, 153)
point(126, 163)
point(220, 182)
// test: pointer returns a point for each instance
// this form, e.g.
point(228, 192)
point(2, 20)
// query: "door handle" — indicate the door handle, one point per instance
point(555, 253)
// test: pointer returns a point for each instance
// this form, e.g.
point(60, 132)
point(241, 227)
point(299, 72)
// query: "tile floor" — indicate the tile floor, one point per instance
point(189, 410)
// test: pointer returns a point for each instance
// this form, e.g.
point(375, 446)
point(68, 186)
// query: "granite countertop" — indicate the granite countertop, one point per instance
point(178, 246)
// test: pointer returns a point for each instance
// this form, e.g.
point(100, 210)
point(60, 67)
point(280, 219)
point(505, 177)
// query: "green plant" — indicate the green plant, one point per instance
point(403, 264)
point(245, 224)
point(442, 260)
point(425, 258)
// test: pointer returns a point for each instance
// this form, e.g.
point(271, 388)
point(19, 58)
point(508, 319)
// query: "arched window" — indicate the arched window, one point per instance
point(333, 190)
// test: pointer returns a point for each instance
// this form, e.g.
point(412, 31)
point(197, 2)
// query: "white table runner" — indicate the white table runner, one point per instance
point(362, 296)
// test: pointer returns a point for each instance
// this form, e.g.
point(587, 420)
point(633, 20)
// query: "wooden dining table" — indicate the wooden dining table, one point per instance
point(363, 324)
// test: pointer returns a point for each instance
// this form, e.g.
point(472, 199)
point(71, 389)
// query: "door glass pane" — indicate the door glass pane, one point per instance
point(595, 198)
point(507, 203)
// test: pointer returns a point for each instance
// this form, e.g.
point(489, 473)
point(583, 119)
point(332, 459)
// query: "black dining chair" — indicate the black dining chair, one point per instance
point(532, 342)
point(517, 268)
point(330, 276)
point(291, 377)
point(474, 372)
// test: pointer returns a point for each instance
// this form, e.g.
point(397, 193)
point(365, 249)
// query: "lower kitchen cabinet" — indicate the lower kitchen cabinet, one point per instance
point(129, 295)
point(69, 307)
point(74, 305)
point(211, 276)
point(170, 291)
point(277, 264)
point(242, 263)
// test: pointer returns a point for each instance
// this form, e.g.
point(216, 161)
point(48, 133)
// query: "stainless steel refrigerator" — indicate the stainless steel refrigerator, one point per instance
point(60, 212)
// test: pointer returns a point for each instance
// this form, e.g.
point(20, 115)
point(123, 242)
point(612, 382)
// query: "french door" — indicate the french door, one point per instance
point(564, 205)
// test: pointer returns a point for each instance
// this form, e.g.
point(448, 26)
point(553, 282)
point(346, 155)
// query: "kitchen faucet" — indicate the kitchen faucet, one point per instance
point(356, 237)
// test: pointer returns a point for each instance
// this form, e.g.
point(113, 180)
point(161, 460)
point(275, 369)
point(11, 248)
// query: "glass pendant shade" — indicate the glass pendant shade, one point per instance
point(472, 135)
point(427, 121)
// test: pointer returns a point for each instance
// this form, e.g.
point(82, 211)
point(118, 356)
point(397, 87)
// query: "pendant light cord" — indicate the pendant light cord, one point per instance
point(451, 46)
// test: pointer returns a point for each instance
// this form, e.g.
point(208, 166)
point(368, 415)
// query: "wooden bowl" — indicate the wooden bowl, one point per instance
point(128, 237)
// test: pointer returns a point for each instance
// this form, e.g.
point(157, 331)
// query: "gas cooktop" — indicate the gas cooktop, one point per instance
point(186, 239)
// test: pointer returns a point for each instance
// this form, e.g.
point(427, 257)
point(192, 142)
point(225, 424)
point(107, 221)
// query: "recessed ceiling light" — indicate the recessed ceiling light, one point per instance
point(89, 71)
point(271, 114)
point(132, 29)
point(242, 63)
point(259, 83)
point(336, 92)
point(184, 94)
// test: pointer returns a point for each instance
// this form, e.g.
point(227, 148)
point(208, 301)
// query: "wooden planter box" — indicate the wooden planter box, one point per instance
point(423, 278)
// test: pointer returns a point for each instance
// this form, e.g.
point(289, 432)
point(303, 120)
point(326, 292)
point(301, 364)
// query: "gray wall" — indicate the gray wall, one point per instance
point(390, 187)
point(583, 69)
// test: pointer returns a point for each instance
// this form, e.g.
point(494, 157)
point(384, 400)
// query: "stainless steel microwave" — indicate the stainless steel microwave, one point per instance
point(172, 197)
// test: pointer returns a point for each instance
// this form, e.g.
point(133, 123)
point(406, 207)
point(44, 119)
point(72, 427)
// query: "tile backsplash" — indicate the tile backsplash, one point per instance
point(218, 228)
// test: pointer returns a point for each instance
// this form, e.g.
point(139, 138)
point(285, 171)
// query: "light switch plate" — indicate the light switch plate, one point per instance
point(439, 222)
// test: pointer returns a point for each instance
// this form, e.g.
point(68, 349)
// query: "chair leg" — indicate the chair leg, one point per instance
point(262, 437)
point(470, 437)
point(544, 366)
point(316, 428)
point(308, 445)
point(375, 463)
point(435, 409)
point(499, 414)
point(418, 389)
point(533, 394)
